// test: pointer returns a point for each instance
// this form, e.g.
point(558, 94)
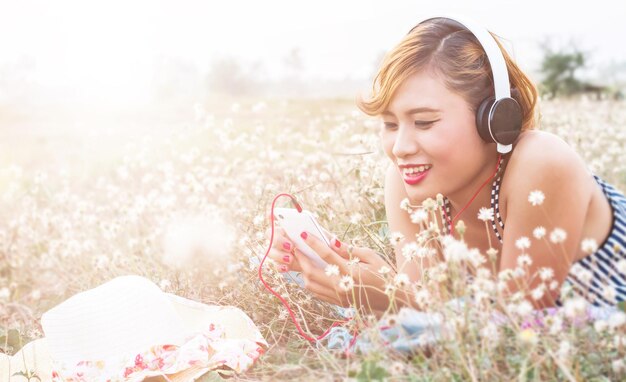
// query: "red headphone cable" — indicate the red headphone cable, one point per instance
point(285, 303)
point(473, 197)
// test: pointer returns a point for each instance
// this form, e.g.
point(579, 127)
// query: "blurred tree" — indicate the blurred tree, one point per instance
point(559, 69)
point(227, 76)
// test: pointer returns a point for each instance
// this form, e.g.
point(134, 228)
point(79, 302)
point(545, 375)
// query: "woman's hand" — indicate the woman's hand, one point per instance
point(282, 251)
point(347, 264)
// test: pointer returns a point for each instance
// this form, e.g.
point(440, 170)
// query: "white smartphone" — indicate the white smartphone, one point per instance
point(294, 223)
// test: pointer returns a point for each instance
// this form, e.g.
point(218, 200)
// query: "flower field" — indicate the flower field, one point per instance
point(186, 205)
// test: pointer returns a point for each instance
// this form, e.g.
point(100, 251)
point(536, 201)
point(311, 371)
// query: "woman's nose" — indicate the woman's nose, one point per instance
point(405, 143)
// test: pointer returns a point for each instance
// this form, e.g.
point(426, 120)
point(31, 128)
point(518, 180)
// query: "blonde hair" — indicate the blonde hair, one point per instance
point(452, 52)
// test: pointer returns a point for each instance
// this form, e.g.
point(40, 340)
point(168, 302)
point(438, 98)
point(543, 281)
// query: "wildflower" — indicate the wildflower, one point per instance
point(439, 200)
point(384, 270)
point(522, 243)
point(485, 214)
point(355, 218)
point(492, 253)
point(524, 308)
point(564, 350)
point(538, 292)
point(589, 246)
point(574, 307)
point(405, 204)
point(410, 251)
point(346, 283)
point(553, 285)
point(389, 289)
point(609, 293)
point(460, 227)
point(600, 326)
point(422, 297)
point(539, 232)
point(528, 336)
point(617, 319)
point(353, 261)
point(401, 280)
point(490, 332)
point(618, 366)
point(524, 261)
point(397, 368)
point(396, 238)
point(331, 270)
point(558, 235)
point(419, 216)
point(546, 273)
point(536, 197)
point(455, 251)
point(429, 204)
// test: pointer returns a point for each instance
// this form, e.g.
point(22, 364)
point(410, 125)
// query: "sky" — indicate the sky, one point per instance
point(106, 50)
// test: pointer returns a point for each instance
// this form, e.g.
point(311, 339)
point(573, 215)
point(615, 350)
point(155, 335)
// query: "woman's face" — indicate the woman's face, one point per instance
point(429, 128)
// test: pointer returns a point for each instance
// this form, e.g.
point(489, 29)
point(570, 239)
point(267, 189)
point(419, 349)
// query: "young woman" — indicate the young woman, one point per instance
point(427, 92)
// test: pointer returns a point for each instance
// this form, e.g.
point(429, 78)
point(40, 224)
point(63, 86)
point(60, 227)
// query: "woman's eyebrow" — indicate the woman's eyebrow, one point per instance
point(413, 111)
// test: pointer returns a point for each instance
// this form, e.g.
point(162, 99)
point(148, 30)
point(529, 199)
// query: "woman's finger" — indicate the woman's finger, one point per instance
point(324, 252)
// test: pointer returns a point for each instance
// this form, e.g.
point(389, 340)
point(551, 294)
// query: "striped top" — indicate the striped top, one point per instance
point(596, 277)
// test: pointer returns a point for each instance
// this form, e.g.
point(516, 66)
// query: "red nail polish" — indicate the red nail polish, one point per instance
point(337, 243)
point(286, 258)
point(287, 246)
point(303, 235)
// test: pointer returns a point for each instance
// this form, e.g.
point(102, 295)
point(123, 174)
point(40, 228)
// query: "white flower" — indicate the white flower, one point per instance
point(384, 270)
point(574, 307)
point(405, 204)
point(546, 273)
point(564, 350)
point(419, 216)
point(485, 214)
point(621, 266)
point(618, 366)
point(600, 326)
point(538, 292)
point(536, 197)
point(353, 261)
point(455, 251)
point(554, 284)
point(396, 238)
point(617, 319)
point(410, 251)
point(422, 297)
point(389, 289)
point(524, 308)
point(558, 235)
point(522, 243)
point(397, 368)
point(589, 246)
point(401, 280)
point(490, 332)
point(539, 232)
point(355, 218)
point(609, 293)
point(524, 260)
point(346, 283)
point(331, 270)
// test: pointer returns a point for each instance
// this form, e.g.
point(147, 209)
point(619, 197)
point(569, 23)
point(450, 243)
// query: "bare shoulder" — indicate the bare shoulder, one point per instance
point(543, 161)
point(545, 157)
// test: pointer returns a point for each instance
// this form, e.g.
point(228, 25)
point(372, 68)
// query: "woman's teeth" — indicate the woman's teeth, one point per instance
point(414, 170)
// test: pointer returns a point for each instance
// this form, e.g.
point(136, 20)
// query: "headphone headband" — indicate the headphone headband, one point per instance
point(494, 54)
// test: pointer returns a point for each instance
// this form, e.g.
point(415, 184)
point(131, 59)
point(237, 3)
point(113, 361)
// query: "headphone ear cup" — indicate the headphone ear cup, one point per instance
point(482, 119)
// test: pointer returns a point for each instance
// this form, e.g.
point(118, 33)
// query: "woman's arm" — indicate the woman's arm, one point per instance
point(546, 163)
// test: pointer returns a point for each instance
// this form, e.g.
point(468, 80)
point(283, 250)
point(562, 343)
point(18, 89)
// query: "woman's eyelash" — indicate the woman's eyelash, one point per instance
point(390, 125)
